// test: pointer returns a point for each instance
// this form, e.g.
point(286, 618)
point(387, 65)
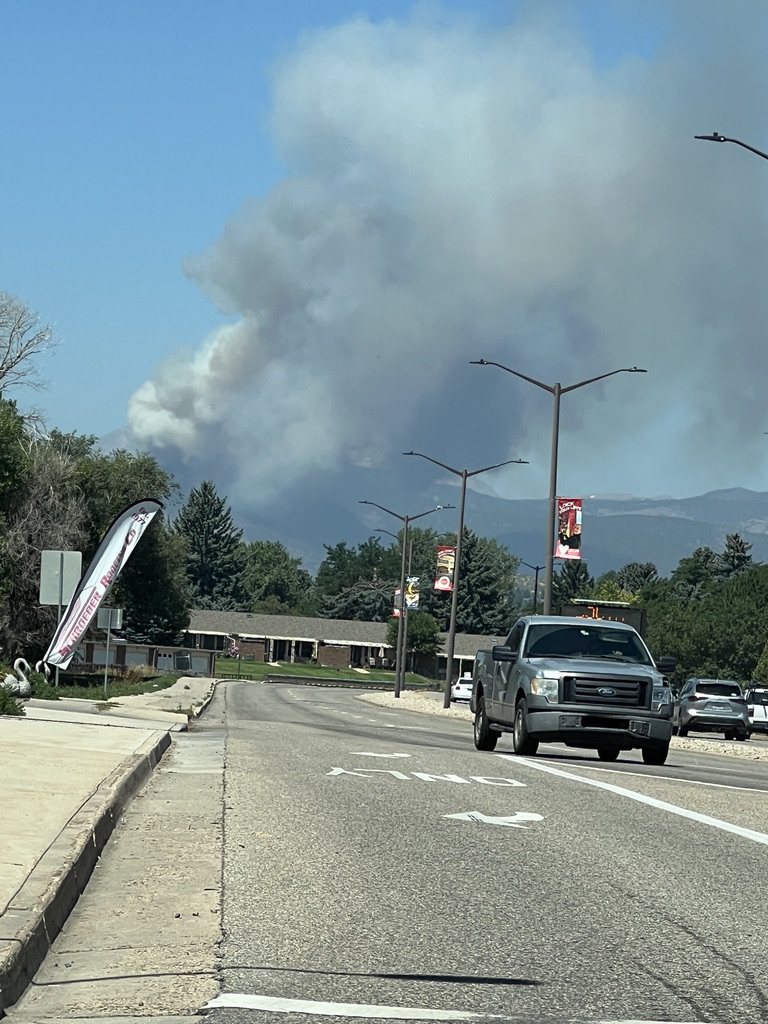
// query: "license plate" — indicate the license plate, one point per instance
point(718, 707)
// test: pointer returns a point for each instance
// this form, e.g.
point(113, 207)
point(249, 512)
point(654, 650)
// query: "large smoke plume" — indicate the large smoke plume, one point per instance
point(456, 192)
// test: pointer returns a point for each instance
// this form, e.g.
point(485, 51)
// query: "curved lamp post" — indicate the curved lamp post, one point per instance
point(465, 474)
point(406, 521)
point(714, 137)
point(556, 390)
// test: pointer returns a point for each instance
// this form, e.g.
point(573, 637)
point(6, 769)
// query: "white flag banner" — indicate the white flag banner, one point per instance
point(112, 554)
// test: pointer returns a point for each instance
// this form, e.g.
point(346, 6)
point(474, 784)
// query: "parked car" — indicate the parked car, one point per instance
point(462, 689)
point(757, 708)
point(711, 705)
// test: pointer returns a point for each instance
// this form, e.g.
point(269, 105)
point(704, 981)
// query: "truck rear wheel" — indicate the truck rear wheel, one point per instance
point(656, 755)
point(485, 737)
point(522, 743)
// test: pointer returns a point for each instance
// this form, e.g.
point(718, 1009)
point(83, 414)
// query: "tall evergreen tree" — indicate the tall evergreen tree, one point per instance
point(635, 575)
point(572, 581)
point(735, 558)
point(275, 582)
point(364, 602)
point(215, 563)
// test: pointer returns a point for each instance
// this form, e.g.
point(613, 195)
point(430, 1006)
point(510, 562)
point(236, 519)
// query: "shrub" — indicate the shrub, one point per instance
point(43, 688)
point(10, 705)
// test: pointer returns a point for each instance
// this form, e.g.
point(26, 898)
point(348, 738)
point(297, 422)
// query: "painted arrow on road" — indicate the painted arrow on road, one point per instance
point(510, 821)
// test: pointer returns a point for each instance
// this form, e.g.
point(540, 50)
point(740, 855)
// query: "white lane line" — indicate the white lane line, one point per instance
point(669, 778)
point(662, 805)
point(369, 1011)
point(370, 753)
point(363, 1010)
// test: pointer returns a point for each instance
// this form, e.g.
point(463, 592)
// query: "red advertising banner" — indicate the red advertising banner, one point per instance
point(446, 562)
point(568, 528)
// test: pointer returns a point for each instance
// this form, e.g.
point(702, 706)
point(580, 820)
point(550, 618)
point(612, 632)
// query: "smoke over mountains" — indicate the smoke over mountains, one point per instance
point(455, 192)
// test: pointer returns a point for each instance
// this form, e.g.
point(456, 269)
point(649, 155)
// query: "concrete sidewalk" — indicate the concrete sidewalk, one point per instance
point(68, 769)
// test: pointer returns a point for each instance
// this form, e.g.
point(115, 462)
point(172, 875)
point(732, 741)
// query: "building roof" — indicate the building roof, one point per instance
point(347, 632)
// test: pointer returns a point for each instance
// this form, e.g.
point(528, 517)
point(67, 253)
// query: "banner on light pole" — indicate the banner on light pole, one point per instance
point(446, 563)
point(568, 528)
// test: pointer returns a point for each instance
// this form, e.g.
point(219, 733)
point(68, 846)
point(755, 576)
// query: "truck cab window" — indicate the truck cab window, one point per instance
point(516, 636)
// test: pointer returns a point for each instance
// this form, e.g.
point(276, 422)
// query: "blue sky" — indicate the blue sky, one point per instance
point(133, 133)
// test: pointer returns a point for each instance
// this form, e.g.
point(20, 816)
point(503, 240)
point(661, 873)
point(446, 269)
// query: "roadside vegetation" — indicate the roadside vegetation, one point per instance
point(61, 491)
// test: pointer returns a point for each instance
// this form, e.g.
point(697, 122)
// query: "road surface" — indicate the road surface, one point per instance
point(373, 857)
point(377, 867)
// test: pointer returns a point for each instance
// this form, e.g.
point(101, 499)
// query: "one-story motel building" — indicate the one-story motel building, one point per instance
point(338, 643)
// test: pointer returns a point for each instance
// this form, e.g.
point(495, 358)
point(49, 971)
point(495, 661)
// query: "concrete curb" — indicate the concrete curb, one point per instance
point(39, 909)
point(196, 712)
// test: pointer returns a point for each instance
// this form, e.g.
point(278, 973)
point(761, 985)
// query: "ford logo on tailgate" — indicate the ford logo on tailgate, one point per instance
point(606, 691)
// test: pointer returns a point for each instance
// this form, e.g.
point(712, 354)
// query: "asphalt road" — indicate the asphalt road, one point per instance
point(565, 890)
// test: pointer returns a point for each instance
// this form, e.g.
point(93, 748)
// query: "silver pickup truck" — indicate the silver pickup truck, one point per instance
point(583, 682)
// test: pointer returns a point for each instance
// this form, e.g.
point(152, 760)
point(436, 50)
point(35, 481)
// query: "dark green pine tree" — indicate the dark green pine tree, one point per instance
point(215, 559)
point(366, 602)
point(633, 576)
point(735, 558)
point(482, 605)
point(572, 581)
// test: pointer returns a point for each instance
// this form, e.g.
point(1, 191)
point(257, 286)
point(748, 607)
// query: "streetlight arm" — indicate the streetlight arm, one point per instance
point(436, 462)
point(388, 510)
point(536, 568)
point(469, 472)
point(438, 508)
point(531, 380)
point(583, 383)
point(714, 137)
point(509, 462)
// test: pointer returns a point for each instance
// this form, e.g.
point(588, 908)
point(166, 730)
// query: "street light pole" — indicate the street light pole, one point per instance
point(404, 617)
point(537, 569)
point(556, 390)
point(406, 521)
point(464, 474)
point(714, 137)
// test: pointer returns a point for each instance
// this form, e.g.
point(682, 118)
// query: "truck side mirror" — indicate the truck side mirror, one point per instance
point(666, 665)
point(501, 653)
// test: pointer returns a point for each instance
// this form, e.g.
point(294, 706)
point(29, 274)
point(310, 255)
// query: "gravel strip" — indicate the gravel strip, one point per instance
point(431, 703)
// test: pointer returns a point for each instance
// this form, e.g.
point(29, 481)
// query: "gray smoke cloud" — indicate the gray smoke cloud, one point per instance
point(456, 192)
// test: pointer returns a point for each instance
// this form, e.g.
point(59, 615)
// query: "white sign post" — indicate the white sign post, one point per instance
point(60, 572)
point(109, 619)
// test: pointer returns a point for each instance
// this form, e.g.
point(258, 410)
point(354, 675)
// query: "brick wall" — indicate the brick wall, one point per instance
point(333, 657)
point(255, 648)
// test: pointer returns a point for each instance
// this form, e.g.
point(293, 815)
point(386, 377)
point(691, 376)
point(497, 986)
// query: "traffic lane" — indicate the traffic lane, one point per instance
point(743, 808)
point(357, 888)
point(720, 769)
point(711, 769)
